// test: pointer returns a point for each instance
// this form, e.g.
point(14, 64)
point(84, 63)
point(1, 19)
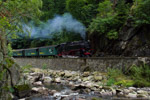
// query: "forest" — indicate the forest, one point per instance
point(106, 23)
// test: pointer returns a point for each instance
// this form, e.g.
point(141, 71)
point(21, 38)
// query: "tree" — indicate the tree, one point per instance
point(51, 8)
point(83, 10)
point(13, 13)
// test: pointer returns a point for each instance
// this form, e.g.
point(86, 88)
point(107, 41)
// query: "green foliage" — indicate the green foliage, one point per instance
point(44, 66)
point(94, 98)
point(14, 12)
point(126, 83)
point(2, 74)
point(11, 89)
point(26, 69)
point(57, 38)
point(21, 88)
point(110, 82)
point(105, 8)
point(140, 75)
point(109, 21)
point(112, 34)
point(10, 52)
point(141, 12)
point(114, 73)
point(9, 62)
point(83, 10)
point(116, 77)
point(4, 23)
point(65, 36)
point(52, 7)
point(75, 7)
point(100, 25)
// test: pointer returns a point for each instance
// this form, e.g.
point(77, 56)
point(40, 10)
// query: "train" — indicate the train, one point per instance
point(68, 49)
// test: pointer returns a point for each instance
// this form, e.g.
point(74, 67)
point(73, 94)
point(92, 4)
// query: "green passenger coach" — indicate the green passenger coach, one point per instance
point(48, 51)
point(31, 52)
point(17, 53)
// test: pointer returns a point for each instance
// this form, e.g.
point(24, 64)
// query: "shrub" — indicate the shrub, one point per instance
point(140, 75)
point(116, 77)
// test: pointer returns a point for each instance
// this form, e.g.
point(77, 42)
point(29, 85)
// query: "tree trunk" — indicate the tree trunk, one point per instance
point(9, 71)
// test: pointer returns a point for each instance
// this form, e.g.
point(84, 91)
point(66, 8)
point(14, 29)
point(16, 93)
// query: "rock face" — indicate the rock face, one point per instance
point(9, 71)
point(132, 41)
point(135, 41)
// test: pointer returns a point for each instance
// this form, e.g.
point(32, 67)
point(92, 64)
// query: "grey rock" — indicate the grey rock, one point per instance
point(132, 88)
point(131, 95)
point(39, 83)
point(86, 74)
point(142, 92)
point(57, 94)
point(105, 93)
point(68, 74)
point(126, 91)
point(58, 80)
point(47, 80)
point(98, 78)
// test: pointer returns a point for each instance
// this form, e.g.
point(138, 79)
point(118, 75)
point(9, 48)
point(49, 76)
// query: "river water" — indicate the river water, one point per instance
point(73, 95)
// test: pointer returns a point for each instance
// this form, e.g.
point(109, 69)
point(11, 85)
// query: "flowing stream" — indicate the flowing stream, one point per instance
point(65, 91)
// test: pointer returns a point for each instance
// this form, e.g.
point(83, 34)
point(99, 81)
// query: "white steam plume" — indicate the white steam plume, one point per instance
point(55, 25)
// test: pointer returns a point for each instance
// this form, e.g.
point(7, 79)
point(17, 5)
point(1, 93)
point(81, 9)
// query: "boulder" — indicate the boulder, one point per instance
point(98, 78)
point(86, 74)
point(39, 83)
point(47, 80)
point(142, 92)
point(105, 93)
point(68, 74)
point(131, 95)
point(58, 80)
point(23, 90)
point(132, 88)
point(143, 96)
point(126, 91)
point(62, 73)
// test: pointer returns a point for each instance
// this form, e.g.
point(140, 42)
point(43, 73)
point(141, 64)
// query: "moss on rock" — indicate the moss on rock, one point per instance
point(23, 90)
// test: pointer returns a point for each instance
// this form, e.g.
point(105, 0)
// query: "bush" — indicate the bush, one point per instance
point(141, 12)
point(140, 75)
point(116, 77)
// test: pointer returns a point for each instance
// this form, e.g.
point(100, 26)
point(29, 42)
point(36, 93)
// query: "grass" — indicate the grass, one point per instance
point(116, 77)
point(140, 75)
point(137, 76)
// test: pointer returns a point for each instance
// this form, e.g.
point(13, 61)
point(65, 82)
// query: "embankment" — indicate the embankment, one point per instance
point(83, 64)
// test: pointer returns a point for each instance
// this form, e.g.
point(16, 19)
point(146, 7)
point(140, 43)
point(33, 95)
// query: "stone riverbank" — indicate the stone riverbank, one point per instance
point(76, 85)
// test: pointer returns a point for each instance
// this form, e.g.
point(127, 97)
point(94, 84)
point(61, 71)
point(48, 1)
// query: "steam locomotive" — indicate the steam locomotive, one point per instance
point(69, 49)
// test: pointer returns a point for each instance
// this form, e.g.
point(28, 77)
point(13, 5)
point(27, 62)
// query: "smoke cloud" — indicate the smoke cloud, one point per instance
point(56, 25)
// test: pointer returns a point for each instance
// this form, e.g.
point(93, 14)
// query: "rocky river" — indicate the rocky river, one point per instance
point(46, 84)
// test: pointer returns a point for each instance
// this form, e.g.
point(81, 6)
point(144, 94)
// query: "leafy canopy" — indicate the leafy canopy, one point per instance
point(15, 12)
